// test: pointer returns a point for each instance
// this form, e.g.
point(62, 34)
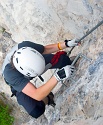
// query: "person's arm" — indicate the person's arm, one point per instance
point(53, 47)
point(59, 46)
point(41, 92)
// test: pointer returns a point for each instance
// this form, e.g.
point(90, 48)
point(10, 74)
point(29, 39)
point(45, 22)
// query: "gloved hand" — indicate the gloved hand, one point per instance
point(71, 43)
point(64, 73)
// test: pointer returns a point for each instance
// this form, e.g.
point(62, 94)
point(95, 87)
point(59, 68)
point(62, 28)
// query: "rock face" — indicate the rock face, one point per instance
point(49, 21)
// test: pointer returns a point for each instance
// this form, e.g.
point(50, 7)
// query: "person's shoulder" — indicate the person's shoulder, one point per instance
point(8, 67)
point(36, 46)
point(14, 78)
point(9, 71)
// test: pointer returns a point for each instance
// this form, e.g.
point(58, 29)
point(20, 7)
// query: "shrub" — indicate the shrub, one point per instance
point(5, 117)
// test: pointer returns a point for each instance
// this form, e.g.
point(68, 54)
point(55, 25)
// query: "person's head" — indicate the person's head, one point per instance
point(29, 62)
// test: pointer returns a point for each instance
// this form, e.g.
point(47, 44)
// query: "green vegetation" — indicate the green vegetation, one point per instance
point(5, 117)
point(2, 29)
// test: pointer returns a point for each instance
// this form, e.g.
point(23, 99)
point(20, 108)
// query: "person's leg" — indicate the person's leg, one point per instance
point(63, 61)
point(33, 107)
point(38, 110)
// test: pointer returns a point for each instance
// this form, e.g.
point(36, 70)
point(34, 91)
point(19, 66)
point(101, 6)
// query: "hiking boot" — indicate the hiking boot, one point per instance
point(51, 99)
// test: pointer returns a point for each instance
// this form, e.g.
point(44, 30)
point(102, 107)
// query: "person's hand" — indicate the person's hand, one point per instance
point(71, 43)
point(64, 73)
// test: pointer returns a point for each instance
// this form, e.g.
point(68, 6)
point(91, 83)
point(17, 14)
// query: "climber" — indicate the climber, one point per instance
point(27, 60)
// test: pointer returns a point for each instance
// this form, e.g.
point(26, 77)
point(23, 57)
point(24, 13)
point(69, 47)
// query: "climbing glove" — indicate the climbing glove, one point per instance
point(71, 43)
point(64, 73)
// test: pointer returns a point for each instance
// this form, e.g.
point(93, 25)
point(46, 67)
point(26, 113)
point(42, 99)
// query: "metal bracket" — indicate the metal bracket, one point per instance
point(78, 56)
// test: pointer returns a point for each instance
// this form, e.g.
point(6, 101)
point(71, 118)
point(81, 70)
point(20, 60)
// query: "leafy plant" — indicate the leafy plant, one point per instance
point(5, 117)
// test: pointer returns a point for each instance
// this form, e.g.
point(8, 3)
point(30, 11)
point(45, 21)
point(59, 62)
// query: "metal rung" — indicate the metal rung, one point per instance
point(75, 60)
point(78, 56)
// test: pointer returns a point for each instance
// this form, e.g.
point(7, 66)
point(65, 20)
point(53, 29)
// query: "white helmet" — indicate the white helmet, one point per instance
point(29, 62)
